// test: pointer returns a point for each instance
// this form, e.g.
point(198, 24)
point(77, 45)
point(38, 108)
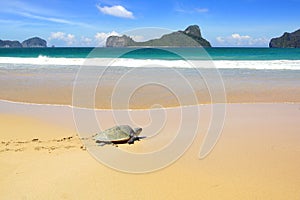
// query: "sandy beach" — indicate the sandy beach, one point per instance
point(158, 100)
point(256, 157)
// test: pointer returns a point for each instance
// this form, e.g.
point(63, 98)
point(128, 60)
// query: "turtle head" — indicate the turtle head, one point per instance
point(137, 131)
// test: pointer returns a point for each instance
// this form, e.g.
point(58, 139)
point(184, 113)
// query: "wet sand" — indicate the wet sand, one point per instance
point(55, 86)
point(256, 157)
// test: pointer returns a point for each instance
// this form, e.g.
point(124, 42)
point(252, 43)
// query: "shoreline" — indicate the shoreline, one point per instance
point(165, 87)
point(141, 109)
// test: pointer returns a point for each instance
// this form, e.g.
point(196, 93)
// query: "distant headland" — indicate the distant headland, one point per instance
point(34, 42)
point(190, 37)
point(287, 40)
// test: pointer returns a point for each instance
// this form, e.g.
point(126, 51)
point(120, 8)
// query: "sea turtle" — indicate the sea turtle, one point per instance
point(118, 135)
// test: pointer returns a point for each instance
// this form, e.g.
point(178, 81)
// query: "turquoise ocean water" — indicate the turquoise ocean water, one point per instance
point(222, 58)
point(152, 53)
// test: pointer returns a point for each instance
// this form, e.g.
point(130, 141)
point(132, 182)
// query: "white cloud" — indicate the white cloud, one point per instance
point(51, 19)
point(240, 37)
point(101, 37)
point(38, 13)
point(236, 39)
point(191, 10)
point(220, 39)
point(15, 6)
point(57, 35)
point(202, 10)
point(68, 38)
point(117, 11)
point(86, 41)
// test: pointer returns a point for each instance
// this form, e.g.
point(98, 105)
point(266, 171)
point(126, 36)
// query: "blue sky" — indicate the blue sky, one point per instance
point(89, 22)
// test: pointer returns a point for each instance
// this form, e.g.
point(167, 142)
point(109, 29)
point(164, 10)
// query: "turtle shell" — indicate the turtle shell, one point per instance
point(115, 134)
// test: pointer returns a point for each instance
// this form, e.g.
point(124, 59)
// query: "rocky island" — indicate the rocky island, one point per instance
point(287, 40)
point(34, 42)
point(190, 37)
point(10, 44)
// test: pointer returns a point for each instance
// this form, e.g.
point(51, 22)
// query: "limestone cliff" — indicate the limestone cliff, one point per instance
point(34, 42)
point(29, 43)
point(287, 40)
point(190, 37)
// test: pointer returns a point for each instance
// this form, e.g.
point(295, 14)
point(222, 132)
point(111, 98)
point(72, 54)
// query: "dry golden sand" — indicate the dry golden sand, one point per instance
point(257, 157)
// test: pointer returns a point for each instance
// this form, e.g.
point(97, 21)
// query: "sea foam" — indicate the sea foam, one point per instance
point(129, 62)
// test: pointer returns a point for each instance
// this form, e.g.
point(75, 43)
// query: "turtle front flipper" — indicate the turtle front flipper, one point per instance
point(132, 139)
point(137, 138)
point(102, 143)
